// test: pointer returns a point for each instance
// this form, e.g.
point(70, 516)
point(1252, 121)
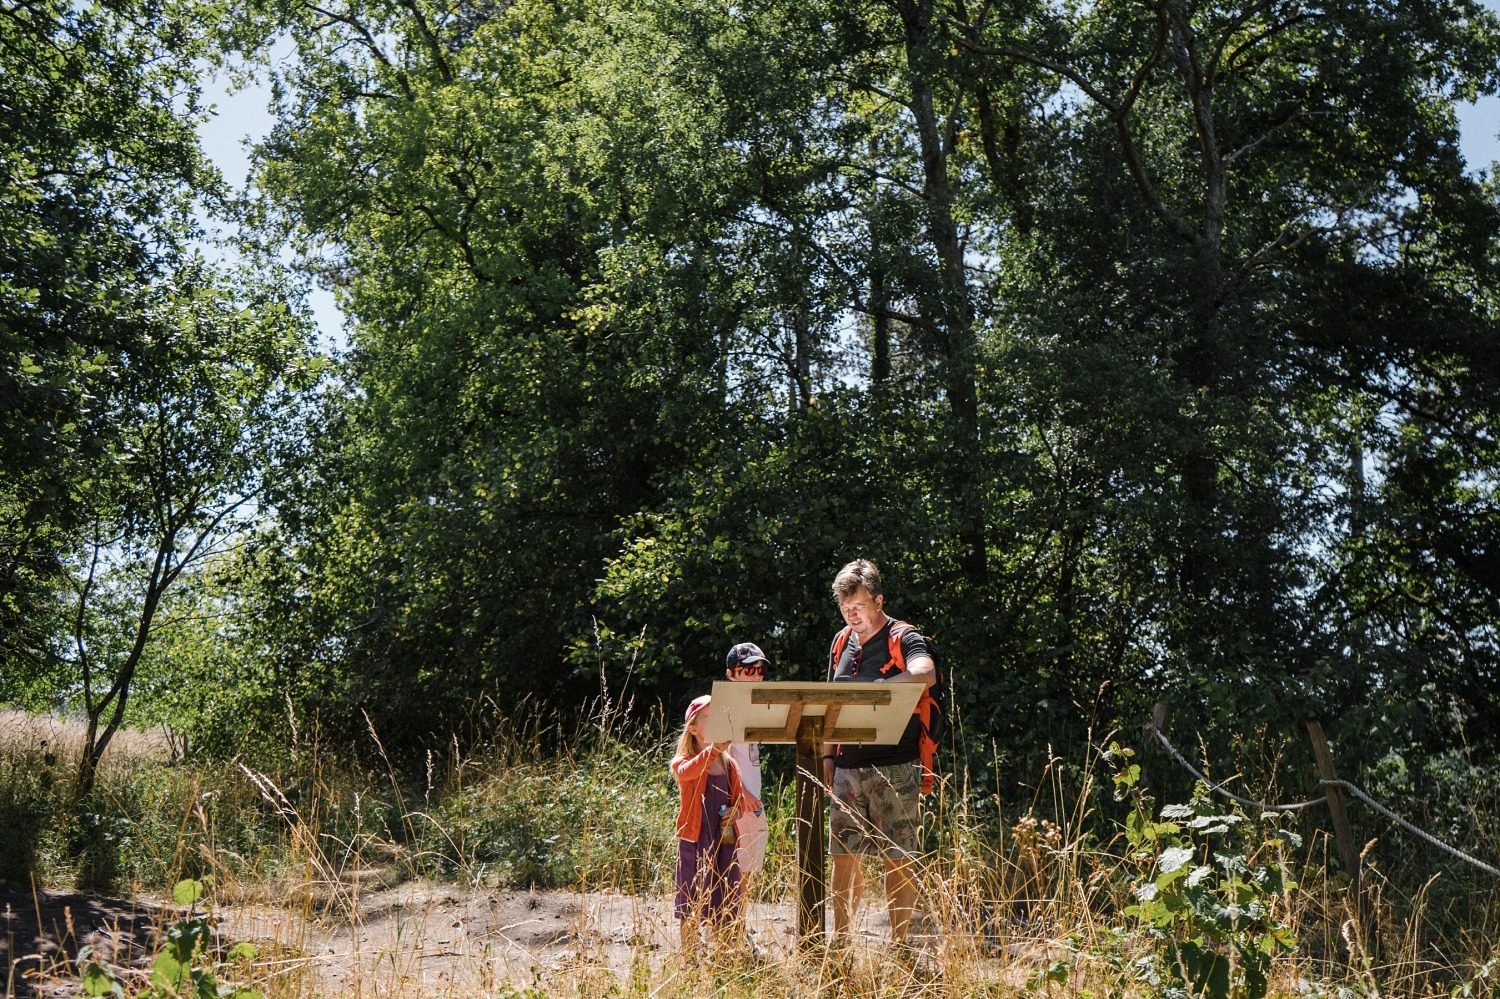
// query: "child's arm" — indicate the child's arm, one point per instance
point(686, 768)
point(745, 803)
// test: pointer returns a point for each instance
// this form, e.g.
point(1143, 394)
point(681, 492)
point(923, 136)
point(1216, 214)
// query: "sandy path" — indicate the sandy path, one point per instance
point(412, 939)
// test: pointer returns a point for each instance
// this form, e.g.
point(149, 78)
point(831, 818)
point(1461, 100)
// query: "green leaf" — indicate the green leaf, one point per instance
point(1165, 881)
point(187, 891)
point(99, 982)
point(1135, 828)
point(1173, 858)
point(205, 986)
point(243, 951)
point(168, 972)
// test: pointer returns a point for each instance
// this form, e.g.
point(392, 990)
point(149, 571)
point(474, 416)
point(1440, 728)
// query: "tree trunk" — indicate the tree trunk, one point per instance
point(880, 321)
point(955, 322)
point(96, 742)
point(1202, 357)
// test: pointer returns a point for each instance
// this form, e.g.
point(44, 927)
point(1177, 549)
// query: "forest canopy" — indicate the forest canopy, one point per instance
point(1148, 347)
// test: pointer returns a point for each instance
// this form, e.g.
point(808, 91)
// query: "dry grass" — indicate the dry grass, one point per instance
point(129, 750)
point(355, 883)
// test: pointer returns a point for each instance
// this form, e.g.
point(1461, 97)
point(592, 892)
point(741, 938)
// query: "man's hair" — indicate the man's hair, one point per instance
point(860, 572)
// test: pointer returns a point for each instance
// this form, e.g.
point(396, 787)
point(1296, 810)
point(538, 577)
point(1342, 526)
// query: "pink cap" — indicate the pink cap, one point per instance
point(699, 703)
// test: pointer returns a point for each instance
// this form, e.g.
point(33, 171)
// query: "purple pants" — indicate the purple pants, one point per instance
point(708, 879)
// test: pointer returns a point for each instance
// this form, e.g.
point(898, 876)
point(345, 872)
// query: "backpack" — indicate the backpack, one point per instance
point(929, 709)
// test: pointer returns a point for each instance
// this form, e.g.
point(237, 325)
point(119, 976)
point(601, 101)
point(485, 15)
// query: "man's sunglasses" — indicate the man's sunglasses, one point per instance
point(754, 669)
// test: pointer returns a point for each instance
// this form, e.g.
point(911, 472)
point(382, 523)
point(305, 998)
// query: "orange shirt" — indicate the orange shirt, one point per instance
point(692, 780)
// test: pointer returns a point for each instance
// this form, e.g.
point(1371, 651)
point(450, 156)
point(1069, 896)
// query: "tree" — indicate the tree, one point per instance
point(211, 401)
point(493, 216)
point(99, 171)
point(1072, 318)
point(1266, 230)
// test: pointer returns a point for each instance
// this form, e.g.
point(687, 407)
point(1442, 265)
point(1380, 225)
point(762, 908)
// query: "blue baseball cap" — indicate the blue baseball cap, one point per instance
point(744, 654)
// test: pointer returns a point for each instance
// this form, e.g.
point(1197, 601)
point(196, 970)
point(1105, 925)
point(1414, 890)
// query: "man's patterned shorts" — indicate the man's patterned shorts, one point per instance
point(875, 811)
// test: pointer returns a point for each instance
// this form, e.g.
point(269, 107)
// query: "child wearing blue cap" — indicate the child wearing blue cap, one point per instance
point(746, 663)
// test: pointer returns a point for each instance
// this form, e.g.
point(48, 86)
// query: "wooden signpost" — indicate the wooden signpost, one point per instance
point(808, 715)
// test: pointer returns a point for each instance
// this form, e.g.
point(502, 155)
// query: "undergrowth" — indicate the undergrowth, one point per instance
point(1081, 886)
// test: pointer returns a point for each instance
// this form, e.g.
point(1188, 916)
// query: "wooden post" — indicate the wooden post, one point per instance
point(1343, 833)
point(1161, 715)
point(812, 889)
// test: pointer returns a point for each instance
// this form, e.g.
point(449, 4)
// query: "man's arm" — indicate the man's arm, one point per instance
point(919, 669)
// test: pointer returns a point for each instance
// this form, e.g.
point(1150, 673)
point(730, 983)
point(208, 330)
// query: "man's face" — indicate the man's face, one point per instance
point(863, 612)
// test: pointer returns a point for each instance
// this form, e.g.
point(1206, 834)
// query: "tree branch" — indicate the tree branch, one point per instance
point(369, 42)
point(430, 36)
point(1119, 110)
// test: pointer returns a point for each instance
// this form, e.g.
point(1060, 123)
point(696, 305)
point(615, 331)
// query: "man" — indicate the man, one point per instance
point(875, 788)
point(746, 663)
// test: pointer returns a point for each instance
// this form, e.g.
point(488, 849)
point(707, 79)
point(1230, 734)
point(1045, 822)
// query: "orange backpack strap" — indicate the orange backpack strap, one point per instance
point(840, 642)
point(897, 659)
point(927, 706)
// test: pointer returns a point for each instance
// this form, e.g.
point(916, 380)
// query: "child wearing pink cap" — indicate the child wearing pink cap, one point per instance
point(712, 797)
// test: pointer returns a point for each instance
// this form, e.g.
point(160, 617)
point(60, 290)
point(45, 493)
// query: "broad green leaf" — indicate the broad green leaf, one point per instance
point(187, 891)
point(1174, 857)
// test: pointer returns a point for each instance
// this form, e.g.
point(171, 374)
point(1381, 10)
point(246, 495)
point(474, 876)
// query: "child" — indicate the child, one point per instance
point(746, 663)
point(708, 879)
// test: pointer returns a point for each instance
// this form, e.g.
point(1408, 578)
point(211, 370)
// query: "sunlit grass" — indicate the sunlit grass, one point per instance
point(379, 880)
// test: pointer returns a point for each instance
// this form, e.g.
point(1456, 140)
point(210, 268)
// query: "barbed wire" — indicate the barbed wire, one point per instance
point(1344, 785)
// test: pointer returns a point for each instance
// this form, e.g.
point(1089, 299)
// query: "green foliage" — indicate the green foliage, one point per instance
point(211, 407)
point(29, 787)
point(598, 816)
point(601, 819)
point(1208, 899)
point(187, 965)
point(138, 381)
point(144, 826)
point(1148, 349)
point(662, 313)
point(99, 169)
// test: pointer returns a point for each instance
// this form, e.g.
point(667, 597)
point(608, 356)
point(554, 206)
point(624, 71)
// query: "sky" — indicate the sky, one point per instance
point(244, 117)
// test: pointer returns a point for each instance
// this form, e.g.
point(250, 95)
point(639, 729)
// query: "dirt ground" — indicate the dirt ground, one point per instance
point(413, 939)
point(373, 935)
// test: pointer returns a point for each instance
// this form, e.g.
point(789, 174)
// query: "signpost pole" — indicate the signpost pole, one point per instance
point(812, 890)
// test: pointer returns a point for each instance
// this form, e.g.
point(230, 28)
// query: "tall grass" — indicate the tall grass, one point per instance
point(1029, 896)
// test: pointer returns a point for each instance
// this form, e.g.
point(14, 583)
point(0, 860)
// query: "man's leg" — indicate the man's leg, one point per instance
point(895, 814)
point(846, 818)
point(900, 896)
point(846, 891)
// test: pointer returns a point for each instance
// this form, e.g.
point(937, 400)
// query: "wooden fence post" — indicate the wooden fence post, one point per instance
point(1161, 714)
point(1343, 833)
